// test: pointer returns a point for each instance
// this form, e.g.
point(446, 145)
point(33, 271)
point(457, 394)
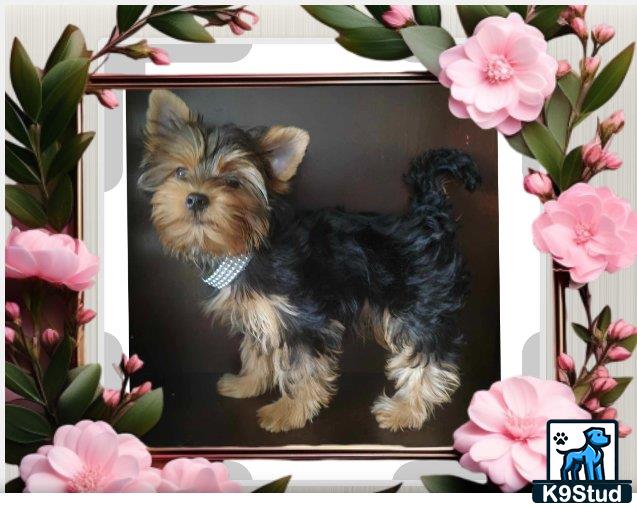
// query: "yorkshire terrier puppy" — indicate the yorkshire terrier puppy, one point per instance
point(292, 282)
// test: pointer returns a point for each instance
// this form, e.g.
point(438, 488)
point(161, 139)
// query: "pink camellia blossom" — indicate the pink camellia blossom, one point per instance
point(90, 457)
point(12, 310)
point(50, 337)
point(501, 76)
point(398, 16)
point(196, 475)
point(563, 68)
point(588, 230)
point(9, 335)
point(159, 56)
point(506, 435)
point(603, 33)
point(85, 316)
point(620, 330)
point(111, 397)
point(132, 364)
point(624, 430)
point(603, 384)
point(618, 353)
point(140, 390)
point(55, 258)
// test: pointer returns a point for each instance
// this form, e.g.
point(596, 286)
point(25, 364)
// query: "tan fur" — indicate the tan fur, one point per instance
point(420, 387)
point(285, 148)
point(256, 375)
point(381, 325)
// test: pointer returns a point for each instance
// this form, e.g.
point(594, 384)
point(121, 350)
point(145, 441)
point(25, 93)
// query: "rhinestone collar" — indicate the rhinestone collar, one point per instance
point(228, 268)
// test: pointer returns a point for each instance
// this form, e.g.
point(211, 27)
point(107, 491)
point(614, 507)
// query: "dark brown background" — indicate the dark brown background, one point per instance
point(362, 138)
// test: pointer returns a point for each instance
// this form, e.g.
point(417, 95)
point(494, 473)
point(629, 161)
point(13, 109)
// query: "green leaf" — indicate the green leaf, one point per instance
point(70, 45)
point(24, 207)
point(127, 15)
point(16, 121)
point(20, 382)
point(69, 154)
point(25, 80)
point(603, 319)
point(277, 486)
point(427, 14)
point(571, 169)
point(98, 410)
point(15, 452)
point(20, 164)
point(582, 332)
point(62, 89)
point(340, 17)
point(142, 415)
point(14, 486)
point(545, 149)
point(629, 342)
point(558, 113)
point(376, 42)
point(518, 144)
point(60, 203)
point(377, 11)
point(447, 483)
point(57, 372)
point(393, 488)
point(182, 26)
point(570, 84)
point(520, 9)
point(546, 18)
point(580, 392)
point(608, 398)
point(47, 156)
point(24, 425)
point(427, 42)
point(608, 80)
point(78, 395)
point(471, 15)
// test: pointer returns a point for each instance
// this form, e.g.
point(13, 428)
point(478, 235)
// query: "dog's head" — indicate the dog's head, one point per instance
point(596, 437)
point(211, 185)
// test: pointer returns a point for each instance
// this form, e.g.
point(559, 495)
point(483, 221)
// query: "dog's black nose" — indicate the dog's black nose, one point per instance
point(196, 202)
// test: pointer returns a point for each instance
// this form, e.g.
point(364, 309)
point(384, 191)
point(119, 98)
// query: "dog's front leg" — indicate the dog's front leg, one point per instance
point(307, 382)
point(256, 375)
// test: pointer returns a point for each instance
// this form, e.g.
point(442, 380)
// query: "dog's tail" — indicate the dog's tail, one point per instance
point(427, 173)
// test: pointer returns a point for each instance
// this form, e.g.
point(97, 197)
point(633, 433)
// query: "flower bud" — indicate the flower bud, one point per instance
point(398, 16)
point(159, 56)
point(132, 365)
point(565, 362)
point(563, 68)
point(603, 384)
point(50, 337)
point(602, 33)
point(624, 430)
point(620, 330)
point(609, 413)
point(589, 66)
point(12, 310)
point(612, 161)
point(539, 184)
point(593, 153)
point(107, 98)
point(613, 124)
point(578, 25)
point(85, 316)
point(601, 371)
point(592, 404)
point(618, 354)
point(142, 389)
point(111, 397)
point(9, 335)
point(136, 51)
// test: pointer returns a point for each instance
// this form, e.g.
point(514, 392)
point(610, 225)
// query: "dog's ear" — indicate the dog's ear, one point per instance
point(165, 111)
point(284, 147)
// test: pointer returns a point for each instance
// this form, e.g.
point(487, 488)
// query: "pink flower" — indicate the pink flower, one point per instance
point(132, 364)
point(601, 371)
point(539, 184)
point(12, 310)
point(159, 56)
point(624, 430)
point(398, 16)
point(55, 258)
point(85, 316)
point(563, 68)
point(612, 161)
point(620, 330)
point(571, 12)
point(196, 475)
point(618, 354)
point(50, 337)
point(237, 24)
point(593, 154)
point(578, 25)
point(609, 413)
point(107, 98)
point(501, 75)
point(506, 435)
point(9, 335)
point(588, 230)
point(111, 397)
point(603, 384)
point(565, 362)
point(603, 33)
point(90, 457)
point(613, 124)
point(592, 404)
point(140, 390)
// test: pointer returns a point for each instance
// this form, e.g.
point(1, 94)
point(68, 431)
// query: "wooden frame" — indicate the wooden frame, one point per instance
point(293, 452)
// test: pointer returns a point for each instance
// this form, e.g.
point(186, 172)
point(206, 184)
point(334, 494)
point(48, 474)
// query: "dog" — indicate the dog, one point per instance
point(291, 282)
point(591, 456)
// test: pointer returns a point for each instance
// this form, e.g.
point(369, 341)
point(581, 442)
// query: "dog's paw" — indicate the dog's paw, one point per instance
point(396, 414)
point(281, 416)
point(238, 387)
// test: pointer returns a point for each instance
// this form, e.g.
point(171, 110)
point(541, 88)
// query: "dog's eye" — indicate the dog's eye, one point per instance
point(181, 172)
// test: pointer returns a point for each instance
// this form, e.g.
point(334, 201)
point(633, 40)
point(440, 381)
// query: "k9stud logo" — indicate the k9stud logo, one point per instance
point(582, 464)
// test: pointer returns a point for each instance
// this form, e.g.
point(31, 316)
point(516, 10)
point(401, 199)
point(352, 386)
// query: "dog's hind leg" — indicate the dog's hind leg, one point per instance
point(256, 375)
point(421, 383)
point(599, 471)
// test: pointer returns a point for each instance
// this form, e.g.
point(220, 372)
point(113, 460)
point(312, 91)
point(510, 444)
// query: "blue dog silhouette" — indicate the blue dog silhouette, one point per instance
point(591, 456)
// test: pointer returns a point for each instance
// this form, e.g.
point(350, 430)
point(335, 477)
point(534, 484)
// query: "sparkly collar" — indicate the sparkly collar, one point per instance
point(227, 269)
